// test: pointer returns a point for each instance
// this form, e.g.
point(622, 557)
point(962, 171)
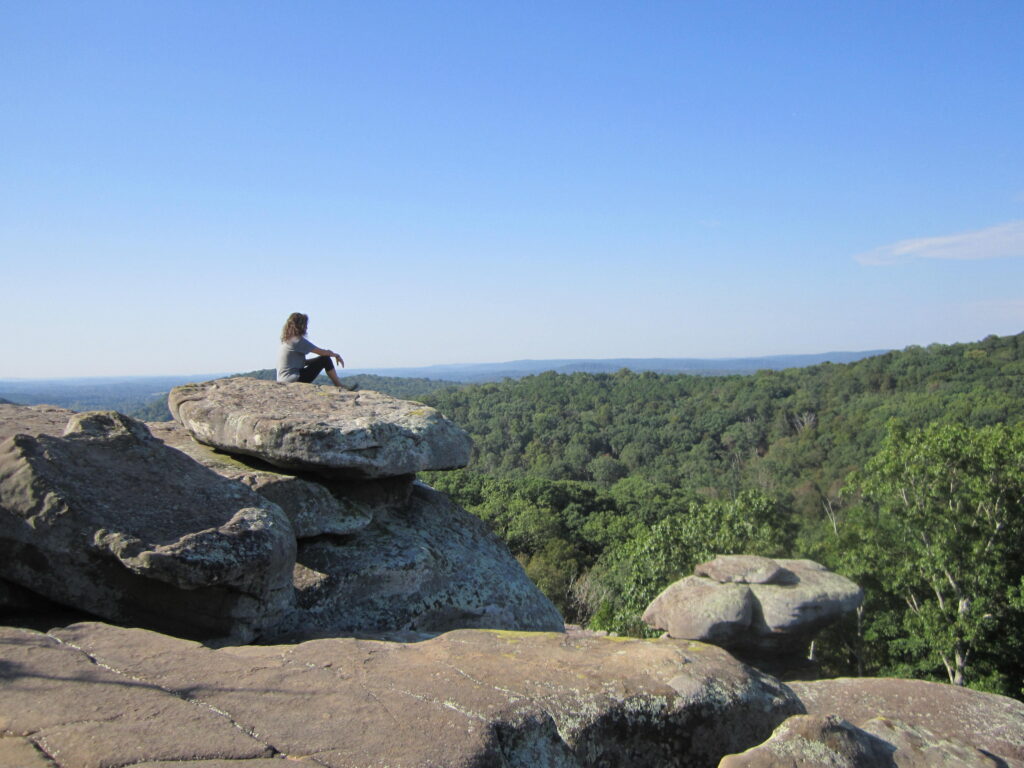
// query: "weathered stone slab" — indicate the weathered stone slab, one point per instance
point(428, 567)
point(32, 420)
point(109, 520)
point(466, 698)
point(83, 715)
point(315, 506)
point(320, 429)
point(984, 721)
point(744, 569)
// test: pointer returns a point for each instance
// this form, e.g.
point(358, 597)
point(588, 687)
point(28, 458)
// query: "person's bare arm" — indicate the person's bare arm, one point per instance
point(328, 353)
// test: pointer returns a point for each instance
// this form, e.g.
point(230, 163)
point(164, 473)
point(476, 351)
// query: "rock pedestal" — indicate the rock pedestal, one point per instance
point(158, 530)
point(756, 606)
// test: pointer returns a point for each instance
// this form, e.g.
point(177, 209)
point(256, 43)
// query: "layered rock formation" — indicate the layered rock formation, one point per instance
point(756, 606)
point(109, 520)
point(95, 695)
point(174, 535)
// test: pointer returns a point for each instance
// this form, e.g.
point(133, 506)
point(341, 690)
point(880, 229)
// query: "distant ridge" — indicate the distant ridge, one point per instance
point(517, 369)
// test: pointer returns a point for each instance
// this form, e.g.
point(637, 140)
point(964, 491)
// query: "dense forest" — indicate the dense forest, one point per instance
point(904, 471)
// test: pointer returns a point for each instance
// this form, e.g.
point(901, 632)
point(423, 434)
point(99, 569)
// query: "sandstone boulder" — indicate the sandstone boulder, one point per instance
point(702, 609)
point(320, 429)
point(314, 505)
point(109, 520)
point(790, 603)
point(744, 569)
point(930, 715)
point(429, 567)
point(32, 420)
point(815, 741)
point(466, 698)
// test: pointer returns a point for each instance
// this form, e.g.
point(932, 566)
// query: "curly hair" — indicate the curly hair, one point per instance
point(295, 326)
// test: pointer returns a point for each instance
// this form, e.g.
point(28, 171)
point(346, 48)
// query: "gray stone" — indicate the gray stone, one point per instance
point(63, 706)
point(467, 698)
point(701, 609)
point(429, 567)
point(32, 420)
point(744, 569)
point(756, 618)
point(321, 429)
point(916, 747)
point(815, 741)
point(792, 614)
point(983, 721)
point(315, 506)
point(109, 520)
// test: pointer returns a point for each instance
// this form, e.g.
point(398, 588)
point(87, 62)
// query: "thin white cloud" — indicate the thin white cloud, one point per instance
point(999, 242)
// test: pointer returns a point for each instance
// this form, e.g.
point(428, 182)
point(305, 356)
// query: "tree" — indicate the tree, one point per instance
point(943, 521)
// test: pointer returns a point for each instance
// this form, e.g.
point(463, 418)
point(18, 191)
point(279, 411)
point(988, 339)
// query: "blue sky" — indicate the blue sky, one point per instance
point(469, 182)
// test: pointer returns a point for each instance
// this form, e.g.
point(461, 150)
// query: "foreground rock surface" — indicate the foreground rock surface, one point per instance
point(754, 605)
point(429, 566)
point(984, 721)
point(107, 696)
point(827, 741)
point(109, 520)
point(321, 429)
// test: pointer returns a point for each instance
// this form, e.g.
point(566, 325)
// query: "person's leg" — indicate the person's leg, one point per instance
point(313, 367)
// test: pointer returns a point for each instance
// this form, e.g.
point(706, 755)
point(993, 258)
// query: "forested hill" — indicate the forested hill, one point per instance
point(795, 433)
point(610, 486)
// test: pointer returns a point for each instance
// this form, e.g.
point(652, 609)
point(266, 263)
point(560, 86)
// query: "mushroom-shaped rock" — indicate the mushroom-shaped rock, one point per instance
point(320, 429)
point(772, 607)
point(109, 520)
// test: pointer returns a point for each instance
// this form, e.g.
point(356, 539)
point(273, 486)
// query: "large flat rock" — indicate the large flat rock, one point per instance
point(469, 698)
point(109, 520)
point(429, 566)
point(320, 429)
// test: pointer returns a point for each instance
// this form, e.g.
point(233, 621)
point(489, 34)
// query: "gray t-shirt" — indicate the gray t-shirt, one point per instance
point(291, 357)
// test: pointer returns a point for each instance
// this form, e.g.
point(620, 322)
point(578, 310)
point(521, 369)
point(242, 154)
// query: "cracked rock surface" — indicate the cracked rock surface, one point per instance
point(320, 429)
point(109, 520)
point(93, 695)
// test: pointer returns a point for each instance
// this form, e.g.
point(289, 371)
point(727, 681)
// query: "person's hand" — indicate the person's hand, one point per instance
point(338, 358)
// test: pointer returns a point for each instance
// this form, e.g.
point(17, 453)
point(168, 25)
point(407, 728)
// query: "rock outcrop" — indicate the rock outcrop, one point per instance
point(109, 520)
point(100, 695)
point(815, 741)
point(937, 713)
point(428, 567)
point(754, 606)
point(320, 429)
point(315, 506)
point(157, 530)
point(32, 420)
